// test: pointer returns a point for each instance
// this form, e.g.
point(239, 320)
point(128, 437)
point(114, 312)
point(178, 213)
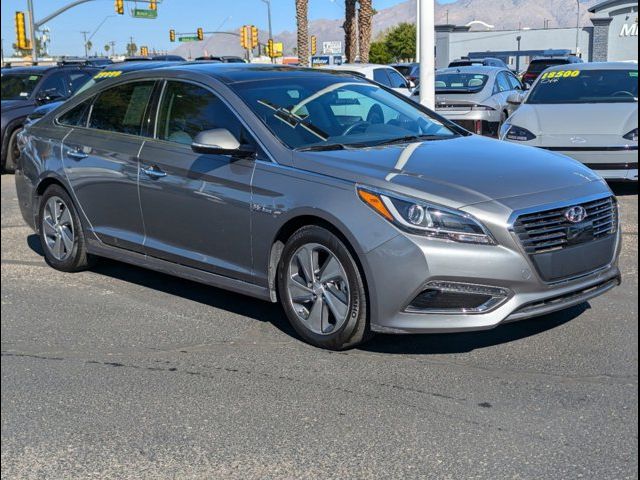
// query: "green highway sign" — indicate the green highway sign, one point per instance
point(144, 13)
point(187, 39)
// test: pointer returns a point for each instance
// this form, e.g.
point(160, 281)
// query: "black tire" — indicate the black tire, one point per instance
point(11, 157)
point(76, 258)
point(355, 329)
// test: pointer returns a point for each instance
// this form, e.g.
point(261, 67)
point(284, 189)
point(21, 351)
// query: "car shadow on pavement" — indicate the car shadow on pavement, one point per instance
point(273, 313)
point(443, 343)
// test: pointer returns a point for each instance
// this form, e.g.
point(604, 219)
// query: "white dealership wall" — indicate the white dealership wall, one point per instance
point(616, 23)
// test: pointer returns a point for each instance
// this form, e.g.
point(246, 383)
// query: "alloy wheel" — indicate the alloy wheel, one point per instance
point(57, 227)
point(318, 289)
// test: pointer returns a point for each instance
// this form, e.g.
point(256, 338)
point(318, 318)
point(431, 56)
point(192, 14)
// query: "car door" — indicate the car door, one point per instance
point(101, 162)
point(196, 207)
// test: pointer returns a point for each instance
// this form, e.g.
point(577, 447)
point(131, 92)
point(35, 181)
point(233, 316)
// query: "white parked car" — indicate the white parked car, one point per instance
point(383, 74)
point(586, 111)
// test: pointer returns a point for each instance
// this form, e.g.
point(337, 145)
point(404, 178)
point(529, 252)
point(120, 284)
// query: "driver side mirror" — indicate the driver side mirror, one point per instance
point(515, 99)
point(221, 141)
point(48, 96)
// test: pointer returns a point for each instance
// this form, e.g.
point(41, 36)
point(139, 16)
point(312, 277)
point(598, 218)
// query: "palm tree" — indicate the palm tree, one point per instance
point(365, 20)
point(350, 31)
point(302, 19)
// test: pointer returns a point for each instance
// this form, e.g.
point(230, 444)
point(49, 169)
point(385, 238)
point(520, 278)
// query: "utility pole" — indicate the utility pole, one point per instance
point(86, 51)
point(268, 2)
point(519, 39)
point(32, 29)
point(426, 21)
point(113, 48)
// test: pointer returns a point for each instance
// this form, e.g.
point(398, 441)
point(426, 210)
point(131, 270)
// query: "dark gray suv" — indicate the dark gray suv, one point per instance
point(24, 88)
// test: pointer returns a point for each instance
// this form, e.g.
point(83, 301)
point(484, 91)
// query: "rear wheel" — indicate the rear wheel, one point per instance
point(13, 152)
point(61, 233)
point(322, 290)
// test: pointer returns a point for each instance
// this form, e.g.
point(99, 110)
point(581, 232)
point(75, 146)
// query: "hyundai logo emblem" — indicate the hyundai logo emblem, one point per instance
point(576, 214)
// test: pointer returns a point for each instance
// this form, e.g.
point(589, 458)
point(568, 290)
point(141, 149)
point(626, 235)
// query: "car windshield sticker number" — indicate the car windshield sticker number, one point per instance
point(113, 74)
point(33, 78)
point(555, 77)
point(633, 74)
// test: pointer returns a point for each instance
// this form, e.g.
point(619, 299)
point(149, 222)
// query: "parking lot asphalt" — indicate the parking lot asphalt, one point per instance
point(124, 373)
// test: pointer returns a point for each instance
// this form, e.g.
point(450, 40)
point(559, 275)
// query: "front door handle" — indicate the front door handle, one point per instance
point(77, 154)
point(154, 172)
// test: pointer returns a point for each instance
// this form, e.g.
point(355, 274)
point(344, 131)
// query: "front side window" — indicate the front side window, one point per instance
point(187, 109)
point(325, 111)
point(397, 80)
point(122, 108)
point(18, 86)
point(55, 85)
point(586, 86)
point(460, 82)
point(502, 83)
point(514, 82)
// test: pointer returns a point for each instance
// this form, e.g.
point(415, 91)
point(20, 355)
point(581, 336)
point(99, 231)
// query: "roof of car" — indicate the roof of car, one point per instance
point(247, 72)
point(477, 69)
point(143, 65)
point(596, 66)
point(33, 69)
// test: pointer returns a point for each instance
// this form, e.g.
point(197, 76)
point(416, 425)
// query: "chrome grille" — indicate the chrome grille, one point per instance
point(546, 231)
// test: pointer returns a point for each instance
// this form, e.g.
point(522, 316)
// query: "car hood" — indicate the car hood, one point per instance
point(613, 119)
point(457, 172)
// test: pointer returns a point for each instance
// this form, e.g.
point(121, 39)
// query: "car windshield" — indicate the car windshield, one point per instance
point(460, 82)
point(18, 86)
point(329, 112)
point(586, 86)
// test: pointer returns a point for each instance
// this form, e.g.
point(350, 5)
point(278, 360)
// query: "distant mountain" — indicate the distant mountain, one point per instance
point(503, 14)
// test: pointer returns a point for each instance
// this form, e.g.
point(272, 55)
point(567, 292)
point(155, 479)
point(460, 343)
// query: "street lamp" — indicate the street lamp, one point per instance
point(268, 2)
point(518, 39)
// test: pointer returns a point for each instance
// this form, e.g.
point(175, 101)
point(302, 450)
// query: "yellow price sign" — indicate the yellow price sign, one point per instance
point(560, 74)
point(111, 74)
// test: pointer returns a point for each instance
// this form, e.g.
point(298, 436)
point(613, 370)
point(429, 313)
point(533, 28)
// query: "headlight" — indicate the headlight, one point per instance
point(632, 135)
point(421, 218)
point(519, 134)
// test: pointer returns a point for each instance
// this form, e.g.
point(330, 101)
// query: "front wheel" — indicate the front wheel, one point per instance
point(322, 290)
point(61, 233)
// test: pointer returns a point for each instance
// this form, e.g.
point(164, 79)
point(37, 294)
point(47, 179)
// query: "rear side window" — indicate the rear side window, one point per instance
point(502, 83)
point(380, 76)
point(122, 109)
point(77, 116)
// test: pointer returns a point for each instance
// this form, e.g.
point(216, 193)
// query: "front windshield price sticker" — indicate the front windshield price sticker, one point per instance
point(112, 74)
point(554, 77)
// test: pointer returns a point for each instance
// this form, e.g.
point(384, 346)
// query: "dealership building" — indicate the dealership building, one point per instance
point(611, 36)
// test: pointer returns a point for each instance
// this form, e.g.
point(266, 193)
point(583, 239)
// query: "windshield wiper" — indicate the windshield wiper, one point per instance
point(323, 148)
point(410, 138)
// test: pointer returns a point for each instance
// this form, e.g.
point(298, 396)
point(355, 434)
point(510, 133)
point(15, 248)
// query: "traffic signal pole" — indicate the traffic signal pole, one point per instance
point(426, 23)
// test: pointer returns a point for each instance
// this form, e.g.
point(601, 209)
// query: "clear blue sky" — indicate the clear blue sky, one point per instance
point(181, 15)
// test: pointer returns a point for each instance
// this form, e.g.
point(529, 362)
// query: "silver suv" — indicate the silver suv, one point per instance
point(357, 209)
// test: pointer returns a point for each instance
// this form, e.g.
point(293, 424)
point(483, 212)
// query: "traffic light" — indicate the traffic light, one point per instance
point(21, 32)
point(119, 7)
point(314, 45)
point(254, 37)
point(172, 35)
point(245, 37)
point(153, 5)
point(270, 49)
point(144, 51)
point(200, 34)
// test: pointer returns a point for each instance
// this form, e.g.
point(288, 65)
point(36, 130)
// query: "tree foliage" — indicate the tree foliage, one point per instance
point(397, 44)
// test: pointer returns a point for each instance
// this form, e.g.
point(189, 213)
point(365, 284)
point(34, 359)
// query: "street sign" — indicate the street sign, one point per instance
point(332, 48)
point(145, 13)
point(188, 39)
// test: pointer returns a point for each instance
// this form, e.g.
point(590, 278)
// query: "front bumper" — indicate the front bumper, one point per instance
point(614, 163)
point(412, 263)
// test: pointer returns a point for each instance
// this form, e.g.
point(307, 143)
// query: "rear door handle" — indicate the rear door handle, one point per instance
point(76, 154)
point(154, 172)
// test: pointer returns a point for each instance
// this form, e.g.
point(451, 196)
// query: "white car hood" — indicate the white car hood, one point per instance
point(590, 124)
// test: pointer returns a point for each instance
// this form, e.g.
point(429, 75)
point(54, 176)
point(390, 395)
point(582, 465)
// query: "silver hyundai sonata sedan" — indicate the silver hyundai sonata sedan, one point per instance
point(355, 208)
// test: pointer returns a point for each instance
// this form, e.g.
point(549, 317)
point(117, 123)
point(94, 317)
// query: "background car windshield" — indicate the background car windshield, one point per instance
point(586, 86)
point(18, 86)
point(460, 82)
point(539, 66)
point(328, 110)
